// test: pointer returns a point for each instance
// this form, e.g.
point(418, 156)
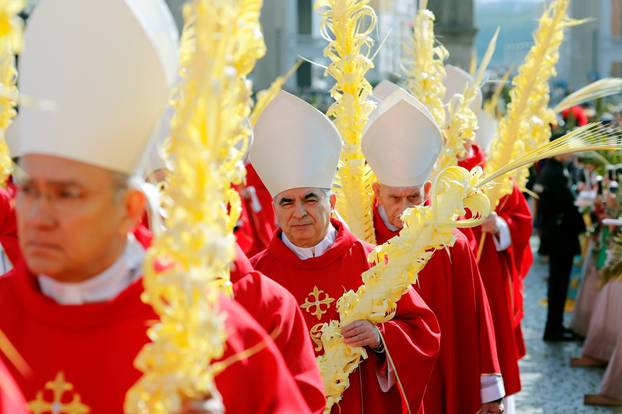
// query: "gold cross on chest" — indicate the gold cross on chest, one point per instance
point(319, 303)
point(59, 387)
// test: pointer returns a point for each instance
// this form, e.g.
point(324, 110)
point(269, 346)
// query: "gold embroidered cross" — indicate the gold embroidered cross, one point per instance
point(319, 303)
point(59, 388)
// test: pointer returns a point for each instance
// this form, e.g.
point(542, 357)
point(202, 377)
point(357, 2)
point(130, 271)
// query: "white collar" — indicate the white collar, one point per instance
point(319, 249)
point(385, 219)
point(103, 287)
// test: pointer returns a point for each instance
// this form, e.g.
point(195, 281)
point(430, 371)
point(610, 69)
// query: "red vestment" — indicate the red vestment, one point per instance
point(257, 223)
point(93, 346)
point(8, 224)
point(451, 285)
point(243, 229)
point(515, 211)
point(503, 281)
point(579, 115)
point(518, 216)
point(276, 310)
point(412, 337)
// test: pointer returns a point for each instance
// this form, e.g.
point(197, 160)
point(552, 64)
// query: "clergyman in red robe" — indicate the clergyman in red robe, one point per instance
point(504, 261)
point(401, 146)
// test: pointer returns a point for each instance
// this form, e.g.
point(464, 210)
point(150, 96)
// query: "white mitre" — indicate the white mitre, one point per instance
point(402, 142)
point(99, 74)
point(295, 146)
point(456, 82)
point(487, 130)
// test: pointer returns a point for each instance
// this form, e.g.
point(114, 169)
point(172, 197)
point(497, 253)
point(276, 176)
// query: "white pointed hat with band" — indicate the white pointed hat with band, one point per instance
point(402, 142)
point(154, 157)
point(387, 92)
point(104, 69)
point(456, 82)
point(295, 146)
point(384, 89)
point(487, 129)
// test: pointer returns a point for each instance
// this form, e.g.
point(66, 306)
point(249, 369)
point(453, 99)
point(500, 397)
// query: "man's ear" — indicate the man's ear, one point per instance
point(333, 201)
point(134, 202)
point(426, 189)
point(376, 188)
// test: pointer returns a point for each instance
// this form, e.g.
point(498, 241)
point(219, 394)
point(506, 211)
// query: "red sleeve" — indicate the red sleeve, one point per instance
point(11, 399)
point(412, 340)
point(515, 211)
point(278, 313)
point(464, 261)
point(261, 383)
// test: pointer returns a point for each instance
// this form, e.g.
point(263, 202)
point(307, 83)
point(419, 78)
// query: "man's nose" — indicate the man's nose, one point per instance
point(404, 204)
point(40, 213)
point(299, 210)
point(411, 204)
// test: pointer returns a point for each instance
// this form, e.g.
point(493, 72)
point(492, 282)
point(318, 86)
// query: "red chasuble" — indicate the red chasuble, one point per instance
point(243, 229)
point(451, 285)
point(82, 356)
point(503, 280)
point(412, 337)
point(515, 208)
point(276, 310)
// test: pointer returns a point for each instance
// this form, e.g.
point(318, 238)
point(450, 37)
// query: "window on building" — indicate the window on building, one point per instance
point(616, 69)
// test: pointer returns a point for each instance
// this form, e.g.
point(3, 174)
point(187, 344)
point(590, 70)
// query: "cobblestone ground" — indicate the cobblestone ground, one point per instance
point(550, 386)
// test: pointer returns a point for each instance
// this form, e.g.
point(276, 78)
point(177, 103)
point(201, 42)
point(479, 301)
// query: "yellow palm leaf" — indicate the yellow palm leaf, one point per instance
point(209, 135)
point(526, 124)
point(461, 123)
point(347, 26)
point(425, 64)
point(11, 28)
point(595, 90)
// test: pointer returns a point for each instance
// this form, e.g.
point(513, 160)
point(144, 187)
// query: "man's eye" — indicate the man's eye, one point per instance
point(311, 201)
point(69, 194)
point(27, 190)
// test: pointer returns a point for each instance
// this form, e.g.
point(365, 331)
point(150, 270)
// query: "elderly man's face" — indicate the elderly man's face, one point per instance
point(304, 215)
point(73, 218)
point(394, 200)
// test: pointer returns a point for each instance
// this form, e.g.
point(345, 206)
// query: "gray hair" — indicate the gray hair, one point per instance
point(122, 182)
point(326, 192)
